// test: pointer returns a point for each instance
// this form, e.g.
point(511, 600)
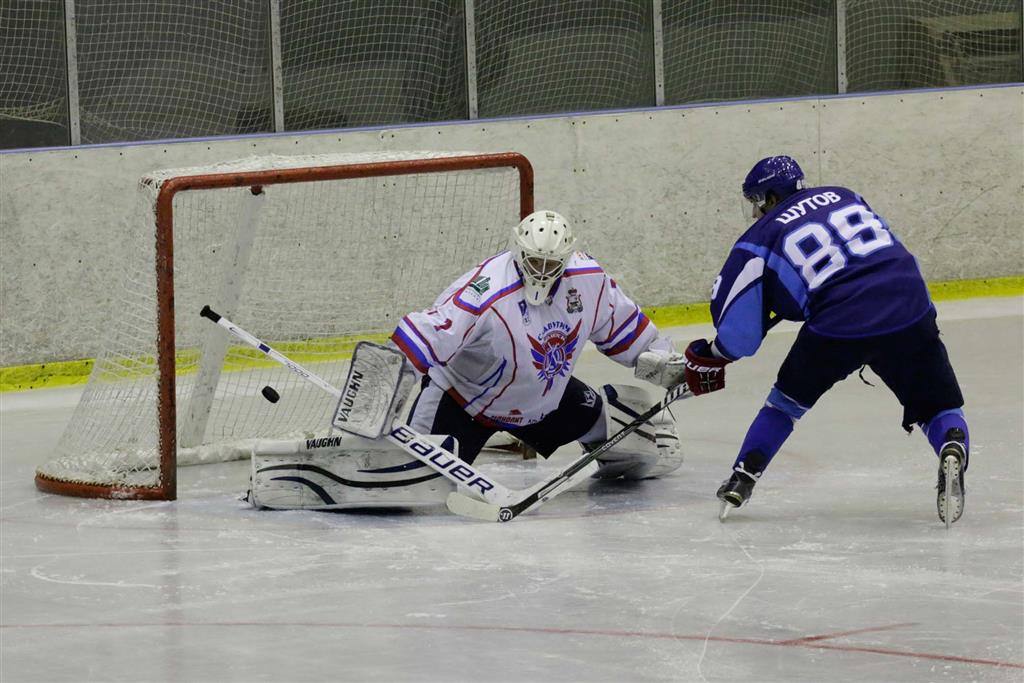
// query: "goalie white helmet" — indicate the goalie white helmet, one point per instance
point(541, 245)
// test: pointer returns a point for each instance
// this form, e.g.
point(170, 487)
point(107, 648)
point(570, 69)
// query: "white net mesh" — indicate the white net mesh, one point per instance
point(33, 81)
point(161, 69)
point(165, 69)
point(310, 268)
point(563, 55)
point(364, 63)
point(932, 43)
point(717, 50)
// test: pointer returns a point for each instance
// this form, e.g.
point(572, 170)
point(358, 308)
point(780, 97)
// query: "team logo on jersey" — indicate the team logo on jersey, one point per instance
point(524, 311)
point(480, 284)
point(552, 353)
point(573, 302)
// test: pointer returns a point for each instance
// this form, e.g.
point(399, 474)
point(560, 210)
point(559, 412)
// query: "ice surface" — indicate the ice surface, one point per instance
point(838, 570)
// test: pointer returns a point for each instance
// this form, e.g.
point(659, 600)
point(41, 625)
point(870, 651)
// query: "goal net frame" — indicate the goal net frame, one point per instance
point(170, 187)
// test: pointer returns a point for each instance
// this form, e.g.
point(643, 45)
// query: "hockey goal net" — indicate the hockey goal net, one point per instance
point(308, 253)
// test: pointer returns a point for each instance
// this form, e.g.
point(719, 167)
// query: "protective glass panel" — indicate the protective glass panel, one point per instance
point(729, 50)
point(33, 77)
point(932, 43)
point(372, 62)
point(173, 69)
point(563, 55)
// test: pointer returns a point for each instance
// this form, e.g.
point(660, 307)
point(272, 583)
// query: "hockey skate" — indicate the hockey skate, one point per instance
point(734, 492)
point(952, 457)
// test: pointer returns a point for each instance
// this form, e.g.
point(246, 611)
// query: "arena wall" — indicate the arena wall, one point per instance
point(654, 194)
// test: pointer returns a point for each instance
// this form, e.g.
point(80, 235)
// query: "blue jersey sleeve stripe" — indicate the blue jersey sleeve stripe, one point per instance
point(749, 276)
point(628, 341)
point(610, 341)
point(477, 310)
point(490, 382)
point(411, 352)
point(740, 329)
point(592, 270)
point(423, 340)
point(783, 269)
point(790, 279)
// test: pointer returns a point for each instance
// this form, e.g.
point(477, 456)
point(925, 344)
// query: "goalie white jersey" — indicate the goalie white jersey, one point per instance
point(508, 363)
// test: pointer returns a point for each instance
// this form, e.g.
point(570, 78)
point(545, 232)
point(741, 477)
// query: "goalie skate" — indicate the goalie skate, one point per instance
point(950, 499)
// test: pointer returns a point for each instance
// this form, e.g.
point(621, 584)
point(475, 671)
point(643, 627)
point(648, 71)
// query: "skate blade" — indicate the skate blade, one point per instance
point(951, 469)
point(723, 510)
point(948, 507)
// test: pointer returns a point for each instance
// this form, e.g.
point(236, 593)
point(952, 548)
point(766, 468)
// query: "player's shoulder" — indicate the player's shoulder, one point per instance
point(803, 205)
point(491, 280)
point(582, 264)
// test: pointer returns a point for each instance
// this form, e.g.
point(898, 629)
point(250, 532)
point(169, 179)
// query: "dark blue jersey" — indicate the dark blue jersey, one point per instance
point(821, 255)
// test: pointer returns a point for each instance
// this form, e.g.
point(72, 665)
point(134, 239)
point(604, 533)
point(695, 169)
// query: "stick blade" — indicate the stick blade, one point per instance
point(464, 506)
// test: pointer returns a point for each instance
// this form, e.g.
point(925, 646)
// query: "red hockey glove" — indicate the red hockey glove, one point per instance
point(704, 372)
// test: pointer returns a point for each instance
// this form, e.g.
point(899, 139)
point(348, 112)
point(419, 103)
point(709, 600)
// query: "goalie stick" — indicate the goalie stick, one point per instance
point(412, 442)
point(543, 491)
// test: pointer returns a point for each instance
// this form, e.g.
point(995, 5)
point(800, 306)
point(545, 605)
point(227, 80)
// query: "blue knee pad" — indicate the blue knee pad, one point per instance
point(935, 429)
point(769, 430)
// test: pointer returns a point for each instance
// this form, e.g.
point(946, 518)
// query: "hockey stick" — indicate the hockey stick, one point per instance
point(412, 442)
point(570, 476)
point(543, 491)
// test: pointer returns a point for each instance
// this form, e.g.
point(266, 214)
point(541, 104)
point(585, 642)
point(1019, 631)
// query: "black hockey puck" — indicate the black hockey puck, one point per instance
point(270, 394)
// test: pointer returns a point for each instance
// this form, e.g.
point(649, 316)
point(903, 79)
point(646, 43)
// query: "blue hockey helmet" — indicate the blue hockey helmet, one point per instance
point(780, 175)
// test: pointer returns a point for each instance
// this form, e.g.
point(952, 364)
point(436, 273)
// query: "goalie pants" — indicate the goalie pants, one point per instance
point(436, 412)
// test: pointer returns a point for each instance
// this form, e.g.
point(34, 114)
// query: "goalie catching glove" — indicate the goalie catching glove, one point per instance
point(664, 368)
point(699, 367)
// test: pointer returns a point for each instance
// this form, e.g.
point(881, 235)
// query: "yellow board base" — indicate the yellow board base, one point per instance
point(63, 373)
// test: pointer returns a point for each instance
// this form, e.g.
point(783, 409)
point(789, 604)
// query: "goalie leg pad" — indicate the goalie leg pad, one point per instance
point(343, 472)
point(651, 451)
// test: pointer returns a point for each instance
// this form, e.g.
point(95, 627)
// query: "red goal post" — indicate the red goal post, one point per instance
point(312, 253)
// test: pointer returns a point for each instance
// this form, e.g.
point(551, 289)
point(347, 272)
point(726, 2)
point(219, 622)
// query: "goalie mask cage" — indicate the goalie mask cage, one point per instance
point(311, 254)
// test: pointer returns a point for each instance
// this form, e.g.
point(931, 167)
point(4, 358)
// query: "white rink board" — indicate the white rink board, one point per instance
point(837, 570)
point(960, 208)
point(654, 194)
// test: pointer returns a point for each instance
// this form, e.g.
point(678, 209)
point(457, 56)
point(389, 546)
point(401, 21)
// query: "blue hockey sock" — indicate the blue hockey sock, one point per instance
point(765, 437)
point(936, 428)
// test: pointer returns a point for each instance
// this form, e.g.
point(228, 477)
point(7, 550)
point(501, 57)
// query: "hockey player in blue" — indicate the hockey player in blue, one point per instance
point(823, 256)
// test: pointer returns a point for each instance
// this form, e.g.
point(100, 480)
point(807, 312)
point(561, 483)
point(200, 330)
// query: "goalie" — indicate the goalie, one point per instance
point(498, 348)
point(496, 353)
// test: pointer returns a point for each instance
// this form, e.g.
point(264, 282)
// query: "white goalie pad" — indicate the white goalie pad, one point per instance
point(378, 383)
point(341, 472)
point(651, 451)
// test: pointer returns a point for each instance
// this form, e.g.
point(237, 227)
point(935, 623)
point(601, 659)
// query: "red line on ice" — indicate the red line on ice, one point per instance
point(809, 642)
